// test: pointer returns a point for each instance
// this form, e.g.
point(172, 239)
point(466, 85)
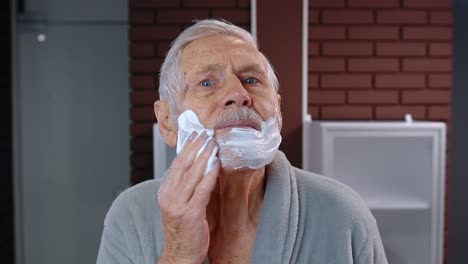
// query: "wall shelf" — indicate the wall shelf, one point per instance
point(398, 168)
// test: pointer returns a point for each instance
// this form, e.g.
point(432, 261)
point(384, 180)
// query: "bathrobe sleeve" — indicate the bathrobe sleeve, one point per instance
point(114, 248)
point(132, 233)
point(372, 251)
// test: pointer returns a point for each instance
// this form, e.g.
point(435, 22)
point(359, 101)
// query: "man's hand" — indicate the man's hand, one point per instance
point(183, 198)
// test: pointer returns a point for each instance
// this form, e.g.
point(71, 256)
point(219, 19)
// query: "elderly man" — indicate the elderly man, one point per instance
point(230, 196)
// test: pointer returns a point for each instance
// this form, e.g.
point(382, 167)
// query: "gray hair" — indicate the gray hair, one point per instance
point(171, 79)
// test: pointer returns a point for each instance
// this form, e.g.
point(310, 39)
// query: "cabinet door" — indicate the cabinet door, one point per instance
point(73, 123)
point(398, 171)
point(83, 10)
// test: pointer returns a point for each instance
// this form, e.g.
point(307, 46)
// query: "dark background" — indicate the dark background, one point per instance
point(458, 187)
point(6, 186)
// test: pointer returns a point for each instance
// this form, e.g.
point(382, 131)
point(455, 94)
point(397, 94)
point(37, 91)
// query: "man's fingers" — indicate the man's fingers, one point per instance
point(183, 162)
point(193, 176)
point(189, 152)
point(180, 165)
point(202, 193)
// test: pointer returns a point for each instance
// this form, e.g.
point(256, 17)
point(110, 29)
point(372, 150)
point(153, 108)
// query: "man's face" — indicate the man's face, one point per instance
point(224, 74)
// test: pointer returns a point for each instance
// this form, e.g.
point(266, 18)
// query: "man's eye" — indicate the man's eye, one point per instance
point(206, 83)
point(251, 80)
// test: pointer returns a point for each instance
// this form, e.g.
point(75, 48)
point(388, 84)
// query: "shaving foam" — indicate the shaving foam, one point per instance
point(188, 122)
point(240, 147)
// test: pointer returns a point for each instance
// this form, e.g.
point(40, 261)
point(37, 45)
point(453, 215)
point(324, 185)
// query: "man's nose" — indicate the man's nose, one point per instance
point(236, 94)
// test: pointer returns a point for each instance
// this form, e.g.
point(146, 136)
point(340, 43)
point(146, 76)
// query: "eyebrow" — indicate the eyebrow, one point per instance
point(252, 68)
point(208, 69)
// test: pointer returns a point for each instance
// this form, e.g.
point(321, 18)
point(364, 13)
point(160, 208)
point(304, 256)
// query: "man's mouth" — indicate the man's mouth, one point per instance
point(238, 123)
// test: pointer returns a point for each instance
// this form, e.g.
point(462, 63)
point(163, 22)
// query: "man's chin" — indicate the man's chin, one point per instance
point(230, 169)
point(222, 134)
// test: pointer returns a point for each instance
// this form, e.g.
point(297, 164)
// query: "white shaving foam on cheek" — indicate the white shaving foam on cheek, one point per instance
point(188, 122)
point(247, 147)
point(241, 147)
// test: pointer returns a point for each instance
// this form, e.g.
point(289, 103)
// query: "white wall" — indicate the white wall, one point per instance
point(72, 127)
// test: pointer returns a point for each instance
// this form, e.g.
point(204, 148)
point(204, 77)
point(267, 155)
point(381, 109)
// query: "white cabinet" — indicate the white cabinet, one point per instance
point(398, 169)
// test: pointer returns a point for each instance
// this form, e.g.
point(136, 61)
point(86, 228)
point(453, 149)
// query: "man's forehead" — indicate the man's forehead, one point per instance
point(214, 52)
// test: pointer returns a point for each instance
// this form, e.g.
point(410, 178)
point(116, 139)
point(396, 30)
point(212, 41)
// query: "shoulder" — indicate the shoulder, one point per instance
point(333, 199)
point(137, 202)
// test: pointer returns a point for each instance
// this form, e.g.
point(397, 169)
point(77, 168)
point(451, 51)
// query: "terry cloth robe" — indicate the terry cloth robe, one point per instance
point(305, 218)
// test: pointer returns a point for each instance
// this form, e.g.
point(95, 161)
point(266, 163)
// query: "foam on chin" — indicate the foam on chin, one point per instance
point(240, 148)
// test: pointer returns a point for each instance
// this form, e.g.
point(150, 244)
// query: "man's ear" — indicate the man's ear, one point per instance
point(166, 127)
point(278, 98)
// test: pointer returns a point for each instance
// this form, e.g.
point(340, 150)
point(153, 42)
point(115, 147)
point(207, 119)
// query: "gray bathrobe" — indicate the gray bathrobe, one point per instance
point(305, 218)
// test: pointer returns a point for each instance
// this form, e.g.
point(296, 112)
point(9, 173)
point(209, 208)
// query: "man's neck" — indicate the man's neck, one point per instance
point(233, 214)
point(236, 200)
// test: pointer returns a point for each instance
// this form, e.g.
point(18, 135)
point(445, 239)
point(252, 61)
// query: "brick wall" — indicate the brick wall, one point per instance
point(377, 60)
point(380, 59)
point(153, 25)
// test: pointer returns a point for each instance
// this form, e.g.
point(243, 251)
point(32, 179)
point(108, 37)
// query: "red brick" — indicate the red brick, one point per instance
point(141, 160)
point(327, 3)
point(326, 97)
point(439, 112)
point(428, 3)
point(373, 97)
point(142, 113)
point(141, 175)
point(314, 48)
point(398, 112)
point(153, 3)
point(374, 32)
point(143, 82)
point(243, 3)
point(313, 81)
point(346, 81)
point(317, 64)
point(441, 17)
point(141, 144)
point(426, 97)
point(427, 65)
point(373, 65)
point(145, 65)
point(314, 111)
point(440, 49)
point(154, 33)
point(347, 17)
point(374, 3)
point(400, 81)
point(209, 3)
point(347, 48)
point(163, 48)
point(401, 48)
point(327, 32)
point(427, 33)
point(401, 17)
point(141, 129)
point(313, 16)
point(180, 16)
point(143, 97)
point(346, 112)
point(141, 49)
point(440, 80)
point(141, 17)
point(235, 16)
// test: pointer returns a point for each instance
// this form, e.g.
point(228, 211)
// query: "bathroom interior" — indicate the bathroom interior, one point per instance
point(373, 95)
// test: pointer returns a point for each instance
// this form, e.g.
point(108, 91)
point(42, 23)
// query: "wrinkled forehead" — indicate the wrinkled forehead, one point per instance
point(220, 51)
